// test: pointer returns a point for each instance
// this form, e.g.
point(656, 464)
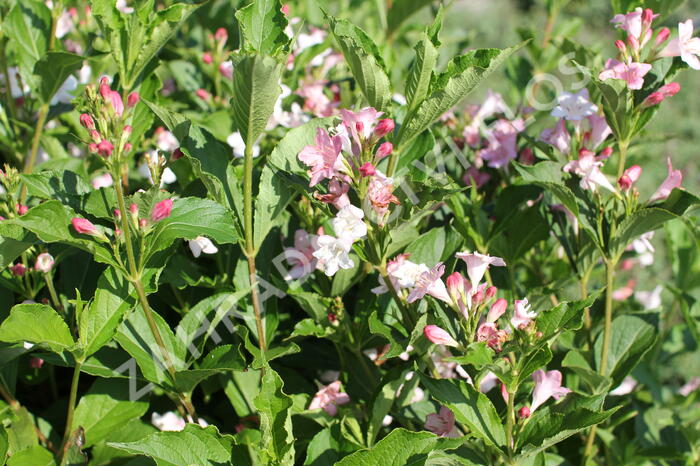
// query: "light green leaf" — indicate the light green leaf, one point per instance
point(193, 445)
point(192, 217)
point(54, 68)
point(221, 359)
point(470, 408)
point(277, 442)
point(272, 199)
point(28, 26)
point(105, 408)
point(447, 89)
point(420, 76)
point(262, 25)
point(98, 323)
point(256, 85)
point(284, 156)
point(38, 324)
point(365, 62)
point(399, 448)
point(34, 456)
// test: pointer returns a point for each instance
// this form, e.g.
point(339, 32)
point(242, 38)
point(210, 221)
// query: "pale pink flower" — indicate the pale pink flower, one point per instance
point(632, 23)
point(477, 264)
point(349, 224)
point(547, 385)
point(498, 308)
point(64, 24)
point(692, 385)
point(478, 176)
point(599, 131)
point(672, 181)
point(315, 99)
point(685, 45)
point(623, 293)
point(102, 181)
point(588, 168)
point(324, 158)
point(558, 137)
point(488, 382)
point(430, 283)
point(301, 256)
point(122, 6)
point(488, 332)
point(360, 125)
point(402, 272)
point(172, 422)
point(632, 73)
point(574, 107)
point(380, 193)
point(439, 336)
point(337, 194)
point(165, 140)
point(442, 423)
point(329, 398)
point(625, 388)
point(650, 299)
point(502, 142)
point(522, 315)
point(44, 262)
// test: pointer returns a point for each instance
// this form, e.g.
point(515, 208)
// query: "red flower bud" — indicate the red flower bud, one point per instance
point(105, 148)
point(620, 46)
point(385, 149)
point(117, 214)
point(87, 121)
point(127, 131)
point(524, 412)
point(384, 127)
point(143, 223)
point(221, 34)
point(105, 90)
point(647, 17)
point(161, 210)
point(360, 127)
point(134, 209)
point(607, 152)
point(662, 36)
point(625, 183)
point(202, 94)
point(83, 226)
point(176, 155)
point(132, 99)
point(367, 169)
point(36, 363)
point(92, 147)
point(22, 209)
point(285, 9)
point(207, 58)
point(491, 292)
point(18, 270)
point(633, 42)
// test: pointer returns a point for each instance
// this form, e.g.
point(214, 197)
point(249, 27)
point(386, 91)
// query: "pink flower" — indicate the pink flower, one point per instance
point(22, 209)
point(621, 294)
point(380, 193)
point(161, 210)
point(502, 142)
point(44, 262)
point(439, 336)
point(36, 363)
point(524, 412)
point(633, 22)
point(457, 286)
point(632, 73)
point(477, 264)
point(430, 283)
point(498, 308)
point(522, 316)
point(629, 177)
point(324, 158)
point(329, 398)
point(221, 35)
point(301, 256)
point(475, 175)
point(673, 180)
point(203, 94)
point(685, 45)
point(83, 226)
point(402, 273)
point(105, 148)
point(386, 148)
point(360, 125)
point(489, 333)
point(367, 169)
point(574, 107)
point(547, 384)
point(558, 137)
point(207, 58)
point(117, 104)
point(337, 194)
point(18, 270)
point(102, 181)
point(226, 69)
point(690, 386)
point(442, 424)
point(599, 131)
point(315, 99)
point(588, 168)
point(655, 98)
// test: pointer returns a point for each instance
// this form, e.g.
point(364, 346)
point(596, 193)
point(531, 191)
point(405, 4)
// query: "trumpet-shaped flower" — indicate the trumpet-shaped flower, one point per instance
point(547, 385)
point(685, 45)
point(324, 158)
point(672, 181)
point(477, 264)
point(329, 398)
point(332, 254)
point(522, 316)
point(574, 107)
point(202, 244)
point(632, 73)
point(430, 283)
point(557, 137)
point(588, 168)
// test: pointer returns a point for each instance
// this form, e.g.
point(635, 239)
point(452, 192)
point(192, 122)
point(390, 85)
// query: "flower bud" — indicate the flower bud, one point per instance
point(385, 149)
point(126, 132)
point(621, 46)
point(87, 121)
point(497, 310)
point(456, 286)
point(92, 147)
point(207, 58)
point(647, 17)
point(633, 43)
point(384, 127)
point(117, 214)
point(478, 298)
point(670, 89)
point(221, 35)
point(133, 99)
point(127, 147)
point(143, 223)
point(624, 183)
point(161, 210)
point(524, 412)
point(18, 270)
point(83, 226)
point(105, 90)
point(367, 169)
point(491, 292)
point(634, 173)
point(95, 136)
point(285, 9)
point(44, 262)
point(176, 155)
point(22, 209)
point(202, 94)
point(607, 152)
point(226, 69)
point(438, 336)
point(36, 363)
point(134, 210)
point(360, 128)
point(105, 148)
point(662, 36)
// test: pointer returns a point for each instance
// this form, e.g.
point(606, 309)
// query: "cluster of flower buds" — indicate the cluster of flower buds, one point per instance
point(106, 120)
point(160, 211)
point(215, 57)
point(43, 264)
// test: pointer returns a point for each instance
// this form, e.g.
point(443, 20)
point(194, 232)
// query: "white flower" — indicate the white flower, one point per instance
point(348, 224)
point(102, 181)
point(645, 250)
point(171, 422)
point(166, 141)
point(332, 254)
point(64, 94)
point(64, 24)
point(84, 74)
point(588, 168)
point(685, 45)
point(522, 315)
point(122, 6)
point(202, 244)
point(625, 387)
point(574, 107)
point(650, 299)
point(236, 142)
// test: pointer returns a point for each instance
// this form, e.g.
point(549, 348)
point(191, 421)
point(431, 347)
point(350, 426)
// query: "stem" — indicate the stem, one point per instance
point(250, 252)
point(52, 291)
point(393, 158)
point(510, 420)
point(29, 166)
point(71, 405)
point(623, 145)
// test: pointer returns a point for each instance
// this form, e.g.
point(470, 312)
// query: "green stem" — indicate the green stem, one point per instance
point(52, 292)
point(250, 251)
point(38, 130)
point(393, 159)
point(510, 419)
point(623, 146)
point(71, 406)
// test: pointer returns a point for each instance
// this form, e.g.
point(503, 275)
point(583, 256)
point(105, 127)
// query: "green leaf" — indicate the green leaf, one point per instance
point(447, 89)
point(421, 73)
point(272, 199)
point(284, 156)
point(192, 445)
point(327, 447)
point(256, 85)
point(470, 408)
point(564, 316)
point(105, 408)
point(221, 359)
point(4, 443)
point(383, 400)
point(277, 442)
point(401, 447)
point(34, 456)
point(401, 10)
point(28, 26)
point(262, 25)
point(13, 242)
point(365, 62)
point(98, 323)
point(54, 68)
point(38, 324)
point(478, 354)
point(56, 184)
point(631, 338)
point(192, 217)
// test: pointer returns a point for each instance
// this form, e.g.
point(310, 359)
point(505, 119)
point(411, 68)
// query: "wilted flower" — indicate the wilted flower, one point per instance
point(329, 398)
point(442, 423)
point(380, 193)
